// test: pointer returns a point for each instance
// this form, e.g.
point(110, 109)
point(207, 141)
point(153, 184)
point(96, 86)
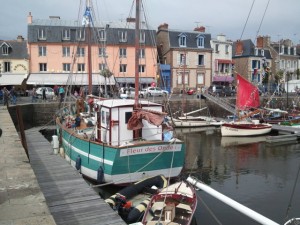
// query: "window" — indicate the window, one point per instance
point(142, 53)
point(142, 36)
point(123, 68)
point(262, 52)
point(200, 60)
point(42, 51)
point(66, 34)
point(101, 35)
point(226, 49)
point(289, 50)
point(102, 66)
point(5, 49)
point(182, 59)
point(128, 115)
point(122, 36)
point(123, 53)
point(255, 64)
point(182, 41)
point(102, 51)
point(41, 34)
point(80, 35)
point(200, 78)
point(80, 67)
point(66, 67)
point(80, 51)
point(180, 78)
point(7, 67)
point(43, 67)
point(217, 48)
point(200, 42)
point(66, 51)
point(282, 49)
point(142, 68)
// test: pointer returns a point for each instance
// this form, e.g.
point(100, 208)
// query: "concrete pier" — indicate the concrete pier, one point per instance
point(21, 199)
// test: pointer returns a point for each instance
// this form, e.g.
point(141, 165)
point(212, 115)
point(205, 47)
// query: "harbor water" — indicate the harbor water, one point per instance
point(263, 177)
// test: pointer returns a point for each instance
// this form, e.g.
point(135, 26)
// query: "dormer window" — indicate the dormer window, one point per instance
point(142, 36)
point(182, 40)
point(295, 52)
point(5, 49)
point(102, 35)
point(289, 50)
point(66, 34)
point(256, 51)
point(282, 49)
point(80, 35)
point(217, 48)
point(122, 36)
point(200, 41)
point(41, 34)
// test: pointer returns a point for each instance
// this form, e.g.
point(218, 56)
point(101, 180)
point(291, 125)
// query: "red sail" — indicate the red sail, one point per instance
point(247, 94)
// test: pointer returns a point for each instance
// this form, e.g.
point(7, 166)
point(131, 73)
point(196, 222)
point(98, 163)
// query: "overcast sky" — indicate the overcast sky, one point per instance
point(282, 18)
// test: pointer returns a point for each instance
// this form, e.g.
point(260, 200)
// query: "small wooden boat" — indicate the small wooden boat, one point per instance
point(173, 205)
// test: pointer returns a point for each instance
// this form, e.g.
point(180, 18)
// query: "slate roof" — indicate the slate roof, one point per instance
point(54, 28)
point(191, 39)
point(17, 50)
point(249, 50)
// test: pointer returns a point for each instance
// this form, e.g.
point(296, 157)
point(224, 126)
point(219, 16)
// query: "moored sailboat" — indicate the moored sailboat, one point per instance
point(128, 140)
point(247, 98)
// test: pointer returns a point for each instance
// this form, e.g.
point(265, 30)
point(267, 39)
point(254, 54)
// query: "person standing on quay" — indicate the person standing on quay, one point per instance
point(5, 97)
point(13, 95)
point(34, 95)
point(61, 92)
point(44, 94)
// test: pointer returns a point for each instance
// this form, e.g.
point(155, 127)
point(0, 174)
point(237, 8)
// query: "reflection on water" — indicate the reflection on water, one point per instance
point(252, 172)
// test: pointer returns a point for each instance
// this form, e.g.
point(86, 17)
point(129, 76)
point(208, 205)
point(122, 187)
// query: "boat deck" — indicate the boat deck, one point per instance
point(69, 198)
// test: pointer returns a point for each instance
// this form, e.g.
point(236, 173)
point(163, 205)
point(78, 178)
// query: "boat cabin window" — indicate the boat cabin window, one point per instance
point(127, 116)
point(105, 118)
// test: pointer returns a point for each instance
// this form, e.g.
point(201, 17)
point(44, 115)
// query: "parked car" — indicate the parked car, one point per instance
point(215, 90)
point(156, 91)
point(49, 92)
point(143, 93)
point(191, 91)
point(127, 92)
point(227, 91)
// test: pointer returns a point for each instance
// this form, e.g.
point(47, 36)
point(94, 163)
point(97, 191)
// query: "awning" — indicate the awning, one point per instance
point(12, 79)
point(131, 80)
point(223, 79)
point(68, 79)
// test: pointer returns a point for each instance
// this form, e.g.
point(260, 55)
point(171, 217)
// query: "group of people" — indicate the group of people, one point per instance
point(8, 96)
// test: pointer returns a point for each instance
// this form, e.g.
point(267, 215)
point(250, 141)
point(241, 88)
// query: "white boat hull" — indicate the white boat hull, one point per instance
point(241, 130)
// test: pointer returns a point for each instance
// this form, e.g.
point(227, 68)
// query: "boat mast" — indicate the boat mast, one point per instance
point(89, 55)
point(137, 52)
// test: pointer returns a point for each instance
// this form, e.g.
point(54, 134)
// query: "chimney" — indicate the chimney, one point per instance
point(163, 26)
point(20, 38)
point(54, 17)
point(200, 29)
point(29, 18)
point(260, 42)
point(239, 48)
point(130, 20)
